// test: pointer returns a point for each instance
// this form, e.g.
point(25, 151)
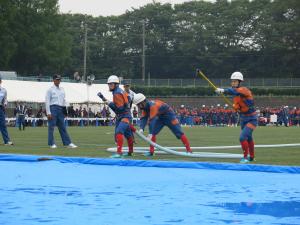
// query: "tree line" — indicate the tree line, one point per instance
point(260, 38)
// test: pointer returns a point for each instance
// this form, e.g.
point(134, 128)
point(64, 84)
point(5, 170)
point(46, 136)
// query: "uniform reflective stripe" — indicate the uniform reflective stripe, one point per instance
point(251, 126)
point(125, 120)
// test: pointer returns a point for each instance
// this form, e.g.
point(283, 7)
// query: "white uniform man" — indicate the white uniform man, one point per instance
point(3, 103)
point(130, 93)
point(56, 111)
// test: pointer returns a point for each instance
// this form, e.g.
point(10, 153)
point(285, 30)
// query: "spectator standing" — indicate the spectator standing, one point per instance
point(21, 112)
point(40, 115)
point(3, 104)
point(56, 112)
point(130, 93)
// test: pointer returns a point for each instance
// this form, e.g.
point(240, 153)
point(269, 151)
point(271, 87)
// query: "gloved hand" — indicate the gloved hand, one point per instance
point(102, 96)
point(219, 90)
point(149, 136)
point(141, 131)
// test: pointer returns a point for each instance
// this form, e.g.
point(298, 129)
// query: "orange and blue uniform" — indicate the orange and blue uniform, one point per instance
point(121, 108)
point(158, 114)
point(243, 103)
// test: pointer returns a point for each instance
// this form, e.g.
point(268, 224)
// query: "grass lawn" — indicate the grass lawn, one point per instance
point(93, 142)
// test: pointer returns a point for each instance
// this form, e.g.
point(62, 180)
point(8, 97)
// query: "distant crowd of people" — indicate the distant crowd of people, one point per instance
point(204, 115)
point(224, 116)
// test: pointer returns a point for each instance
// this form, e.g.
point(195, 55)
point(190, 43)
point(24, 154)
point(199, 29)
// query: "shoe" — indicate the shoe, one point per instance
point(243, 160)
point(71, 145)
point(116, 156)
point(149, 154)
point(53, 146)
point(251, 159)
point(128, 154)
point(9, 143)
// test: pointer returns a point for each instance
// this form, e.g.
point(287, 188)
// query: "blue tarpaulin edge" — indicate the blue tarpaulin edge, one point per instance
point(154, 163)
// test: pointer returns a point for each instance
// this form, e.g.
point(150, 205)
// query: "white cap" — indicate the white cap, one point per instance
point(203, 106)
point(113, 79)
point(182, 106)
point(138, 98)
point(237, 76)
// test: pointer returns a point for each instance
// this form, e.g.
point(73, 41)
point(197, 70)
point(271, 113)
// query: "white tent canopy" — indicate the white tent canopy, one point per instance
point(33, 91)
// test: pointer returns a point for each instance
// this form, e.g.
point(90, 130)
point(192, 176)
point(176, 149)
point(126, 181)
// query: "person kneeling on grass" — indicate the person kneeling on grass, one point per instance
point(120, 106)
point(158, 114)
point(244, 104)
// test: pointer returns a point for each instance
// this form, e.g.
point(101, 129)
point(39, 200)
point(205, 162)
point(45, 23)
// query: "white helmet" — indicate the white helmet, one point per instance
point(203, 106)
point(237, 76)
point(182, 106)
point(113, 79)
point(138, 98)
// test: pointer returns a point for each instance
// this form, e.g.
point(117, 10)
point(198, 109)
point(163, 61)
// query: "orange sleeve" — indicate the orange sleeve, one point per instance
point(119, 100)
point(244, 91)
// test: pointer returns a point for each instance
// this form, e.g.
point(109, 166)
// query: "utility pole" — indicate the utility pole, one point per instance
point(143, 53)
point(85, 51)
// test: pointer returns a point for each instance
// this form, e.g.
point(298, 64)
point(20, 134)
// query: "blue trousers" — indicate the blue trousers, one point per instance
point(57, 120)
point(247, 127)
point(168, 120)
point(3, 128)
point(123, 128)
point(21, 121)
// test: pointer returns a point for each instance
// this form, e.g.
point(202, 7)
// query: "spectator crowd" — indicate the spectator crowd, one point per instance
point(224, 116)
point(216, 115)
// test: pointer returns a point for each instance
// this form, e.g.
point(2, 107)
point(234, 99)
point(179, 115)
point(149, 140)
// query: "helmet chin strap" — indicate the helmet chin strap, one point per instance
point(238, 84)
point(115, 86)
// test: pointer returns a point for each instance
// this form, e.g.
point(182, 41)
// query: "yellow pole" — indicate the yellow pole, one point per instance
point(199, 72)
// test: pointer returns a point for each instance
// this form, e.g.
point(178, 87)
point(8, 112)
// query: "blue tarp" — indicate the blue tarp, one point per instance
point(56, 193)
point(155, 163)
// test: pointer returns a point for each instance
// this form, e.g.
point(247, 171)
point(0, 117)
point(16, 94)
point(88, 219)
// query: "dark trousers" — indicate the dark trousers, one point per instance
point(21, 121)
point(3, 128)
point(58, 119)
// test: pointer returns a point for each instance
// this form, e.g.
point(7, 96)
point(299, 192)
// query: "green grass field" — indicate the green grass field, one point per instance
point(93, 142)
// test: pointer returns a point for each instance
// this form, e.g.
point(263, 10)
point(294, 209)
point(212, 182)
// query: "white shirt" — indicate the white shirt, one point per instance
point(3, 96)
point(55, 96)
point(131, 95)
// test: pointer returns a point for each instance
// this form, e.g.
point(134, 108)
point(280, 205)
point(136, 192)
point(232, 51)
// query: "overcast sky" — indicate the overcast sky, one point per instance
point(106, 7)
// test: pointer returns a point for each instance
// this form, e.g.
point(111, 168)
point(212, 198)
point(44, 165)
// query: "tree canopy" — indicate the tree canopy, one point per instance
point(259, 37)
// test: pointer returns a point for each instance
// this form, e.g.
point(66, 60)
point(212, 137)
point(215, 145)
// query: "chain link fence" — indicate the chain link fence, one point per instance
point(255, 82)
